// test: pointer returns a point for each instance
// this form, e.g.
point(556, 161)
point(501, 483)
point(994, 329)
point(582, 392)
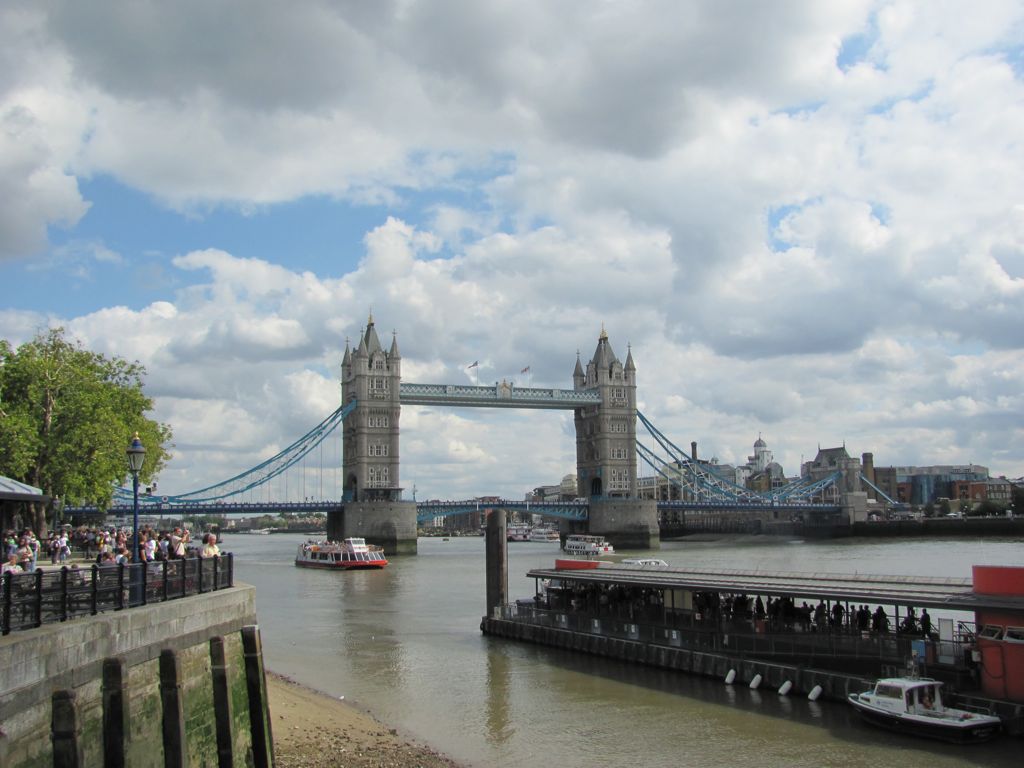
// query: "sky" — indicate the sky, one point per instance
point(805, 220)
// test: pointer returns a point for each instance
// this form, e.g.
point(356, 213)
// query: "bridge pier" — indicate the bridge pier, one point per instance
point(387, 524)
point(626, 523)
point(855, 506)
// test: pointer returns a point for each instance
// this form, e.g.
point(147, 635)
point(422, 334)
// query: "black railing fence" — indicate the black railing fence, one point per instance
point(29, 600)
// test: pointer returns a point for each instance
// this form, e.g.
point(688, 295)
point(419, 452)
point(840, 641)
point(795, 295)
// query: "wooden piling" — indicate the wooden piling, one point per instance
point(497, 560)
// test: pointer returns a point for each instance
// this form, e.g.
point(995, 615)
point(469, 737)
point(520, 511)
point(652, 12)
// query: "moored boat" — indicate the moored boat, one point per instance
point(584, 544)
point(914, 705)
point(350, 554)
point(517, 533)
point(544, 534)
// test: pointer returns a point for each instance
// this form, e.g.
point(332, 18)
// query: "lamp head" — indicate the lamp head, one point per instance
point(136, 455)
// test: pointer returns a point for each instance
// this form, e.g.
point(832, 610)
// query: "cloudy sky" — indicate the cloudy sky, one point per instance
point(806, 219)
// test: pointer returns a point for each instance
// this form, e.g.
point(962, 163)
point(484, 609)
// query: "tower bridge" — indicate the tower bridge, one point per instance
point(603, 401)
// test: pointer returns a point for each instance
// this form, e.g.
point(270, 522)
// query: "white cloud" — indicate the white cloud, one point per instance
point(796, 235)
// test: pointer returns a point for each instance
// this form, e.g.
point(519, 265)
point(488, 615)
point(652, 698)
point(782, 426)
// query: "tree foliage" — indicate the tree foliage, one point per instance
point(67, 415)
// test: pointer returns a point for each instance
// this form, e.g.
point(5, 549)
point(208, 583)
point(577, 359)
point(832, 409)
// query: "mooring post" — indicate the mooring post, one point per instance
point(116, 719)
point(497, 560)
point(259, 709)
point(173, 707)
point(222, 701)
point(65, 730)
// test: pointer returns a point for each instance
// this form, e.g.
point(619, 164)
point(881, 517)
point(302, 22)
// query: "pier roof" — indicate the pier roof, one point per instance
point(955, 594)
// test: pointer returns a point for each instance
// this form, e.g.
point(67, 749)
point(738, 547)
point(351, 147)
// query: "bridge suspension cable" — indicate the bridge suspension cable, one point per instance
point(273, 467)
point(704, 484)
point(694, 476)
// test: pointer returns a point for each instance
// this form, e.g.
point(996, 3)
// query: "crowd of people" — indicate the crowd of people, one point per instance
point(773, 614)
point(784, 613)
point(104, 545)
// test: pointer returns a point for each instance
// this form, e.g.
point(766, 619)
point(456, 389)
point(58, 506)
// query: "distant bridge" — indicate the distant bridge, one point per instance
point(426, 511)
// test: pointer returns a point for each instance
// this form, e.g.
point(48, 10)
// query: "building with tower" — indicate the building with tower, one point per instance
point(761, 472)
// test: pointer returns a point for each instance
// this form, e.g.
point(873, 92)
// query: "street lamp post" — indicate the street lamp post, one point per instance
point(136, 455)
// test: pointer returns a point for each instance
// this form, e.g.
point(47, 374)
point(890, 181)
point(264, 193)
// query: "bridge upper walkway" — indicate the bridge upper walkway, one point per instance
point(501, 395)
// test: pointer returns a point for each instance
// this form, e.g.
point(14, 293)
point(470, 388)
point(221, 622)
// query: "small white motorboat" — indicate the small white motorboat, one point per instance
point(914, 705)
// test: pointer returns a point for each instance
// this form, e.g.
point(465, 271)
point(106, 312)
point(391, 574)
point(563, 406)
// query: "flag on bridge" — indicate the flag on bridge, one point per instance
point(525, 370)
point(474, 365)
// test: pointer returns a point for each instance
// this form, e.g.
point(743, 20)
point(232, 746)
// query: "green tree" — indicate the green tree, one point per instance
point(988, 508)
point(66, 416)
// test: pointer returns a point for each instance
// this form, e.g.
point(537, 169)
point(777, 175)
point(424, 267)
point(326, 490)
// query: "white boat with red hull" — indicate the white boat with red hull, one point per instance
point(914, 705)
point(350, 554)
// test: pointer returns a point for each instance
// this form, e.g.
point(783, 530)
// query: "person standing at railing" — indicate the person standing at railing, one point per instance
point(210, 548)
point(178, 544)
point(33, 544)
point(11, 566)
point(24, 553)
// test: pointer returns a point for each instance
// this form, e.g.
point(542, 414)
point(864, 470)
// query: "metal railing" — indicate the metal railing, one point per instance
point(29, 600)
point(739, 638)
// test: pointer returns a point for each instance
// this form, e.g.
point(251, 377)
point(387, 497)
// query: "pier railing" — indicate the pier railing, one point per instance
point(741, 638)
point(29, 600)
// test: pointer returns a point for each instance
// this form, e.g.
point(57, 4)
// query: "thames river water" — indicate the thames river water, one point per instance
point(404, 643)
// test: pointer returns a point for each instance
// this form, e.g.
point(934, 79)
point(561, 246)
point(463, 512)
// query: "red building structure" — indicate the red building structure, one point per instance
point(1000, 631)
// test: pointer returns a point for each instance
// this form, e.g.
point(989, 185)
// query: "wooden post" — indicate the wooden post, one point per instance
point(259, 708)
point(221, 703)
point(497, 560)
point(115, 711)
point(173, 710)
point(65, 731)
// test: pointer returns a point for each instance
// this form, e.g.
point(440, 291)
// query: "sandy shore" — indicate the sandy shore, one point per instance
point(313, 729)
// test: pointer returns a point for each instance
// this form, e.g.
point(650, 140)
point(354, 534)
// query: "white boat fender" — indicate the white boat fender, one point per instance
point(815, 693)
point(755, 683)
point(785, 688)
point(731, 677)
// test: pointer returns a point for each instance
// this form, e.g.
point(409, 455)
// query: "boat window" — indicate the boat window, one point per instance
point(337, 556)
point(1014, 635)
point(991, 632)
point(889, 691)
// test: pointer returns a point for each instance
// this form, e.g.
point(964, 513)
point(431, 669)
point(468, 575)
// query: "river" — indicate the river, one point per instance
point(404, 643)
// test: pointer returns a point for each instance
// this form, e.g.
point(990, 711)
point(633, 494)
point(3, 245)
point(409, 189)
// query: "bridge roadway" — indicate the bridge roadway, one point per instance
point(428, 510)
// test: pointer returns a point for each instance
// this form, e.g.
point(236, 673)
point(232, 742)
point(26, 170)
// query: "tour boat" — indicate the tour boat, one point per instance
point(914, 705)
point(583, 544)
point(517, 533)
point(348, 555)
point(544, 534)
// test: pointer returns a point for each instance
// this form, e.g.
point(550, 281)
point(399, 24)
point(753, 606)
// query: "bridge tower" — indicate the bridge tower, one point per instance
point(373, 507)
point(606, 451)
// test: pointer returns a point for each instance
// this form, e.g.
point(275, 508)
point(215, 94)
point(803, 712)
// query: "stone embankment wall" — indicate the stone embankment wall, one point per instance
point(177, 683)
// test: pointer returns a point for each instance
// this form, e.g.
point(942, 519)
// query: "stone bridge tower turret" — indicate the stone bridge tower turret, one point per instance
point(606, 463)
point(372, 505)
point(372, 377)
point(606, 433)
